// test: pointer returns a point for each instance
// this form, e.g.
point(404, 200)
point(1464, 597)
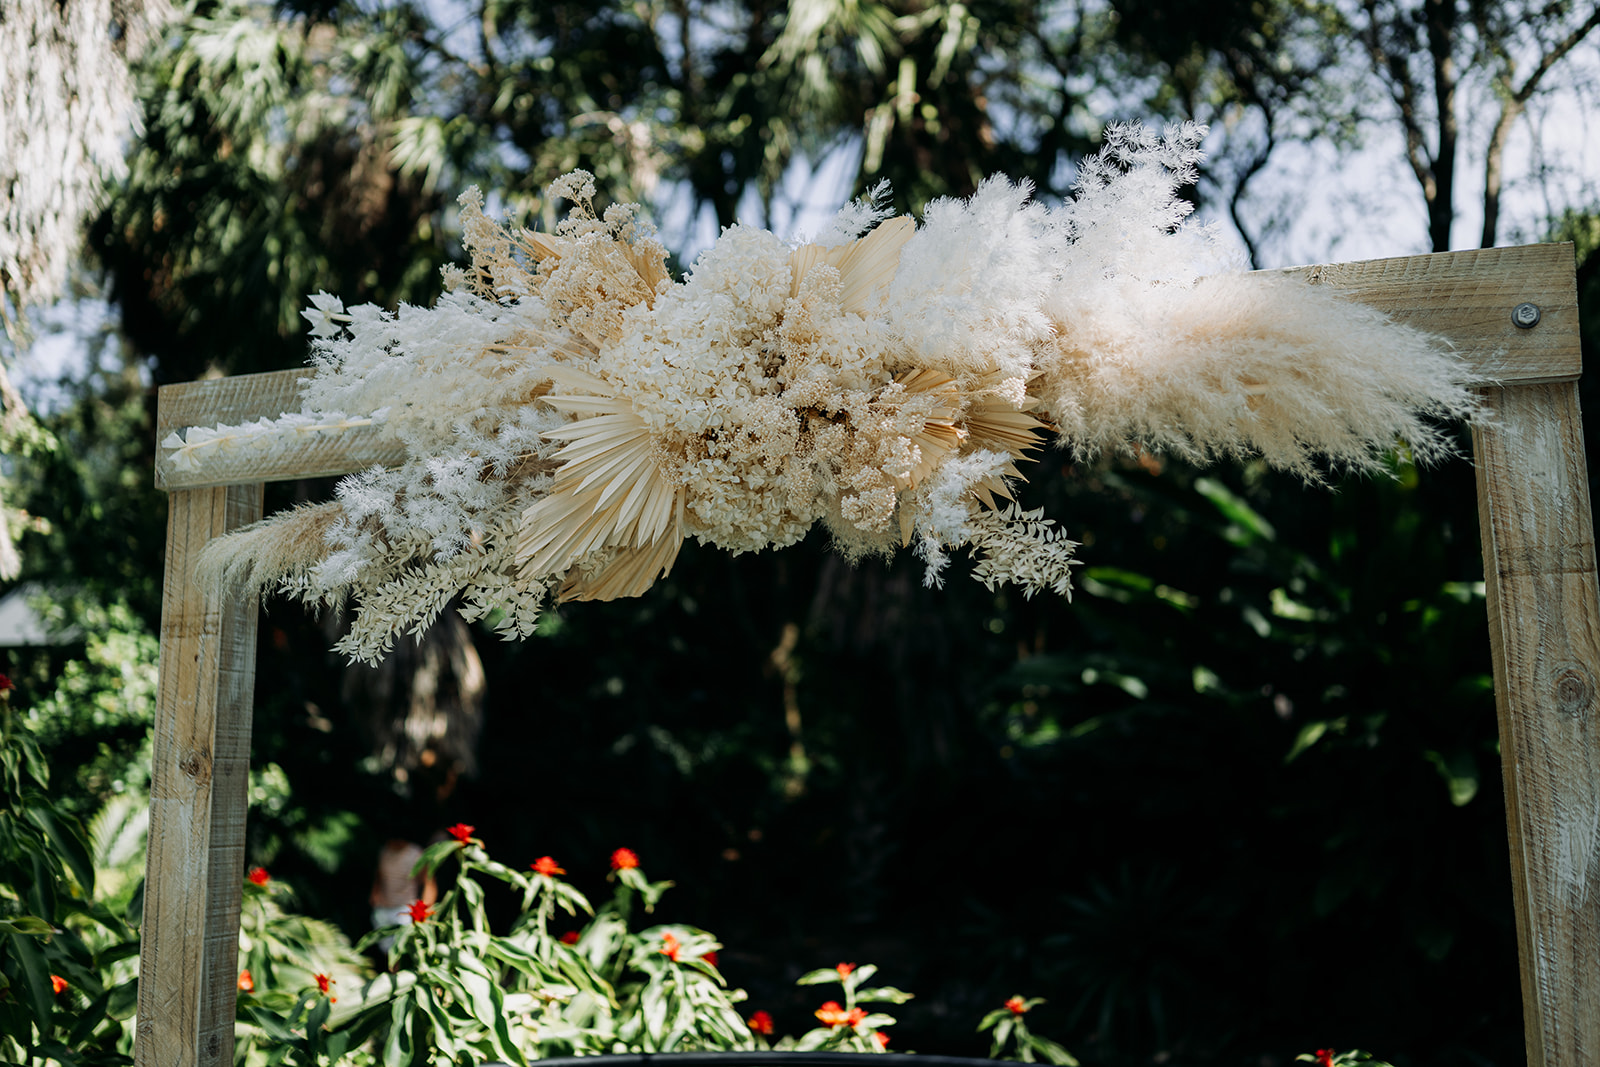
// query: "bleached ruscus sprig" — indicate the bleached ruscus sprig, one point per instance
point(571, 414)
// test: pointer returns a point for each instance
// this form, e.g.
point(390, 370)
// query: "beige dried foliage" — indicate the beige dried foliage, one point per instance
point(572, 416)
point(1200, 372)
point(280, 548)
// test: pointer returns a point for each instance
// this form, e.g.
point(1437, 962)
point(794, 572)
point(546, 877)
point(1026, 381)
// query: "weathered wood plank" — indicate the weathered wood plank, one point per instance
point(246, 398)
point(241, 398)
point(1465, 297)
point(1544, 603)
point(195, 863)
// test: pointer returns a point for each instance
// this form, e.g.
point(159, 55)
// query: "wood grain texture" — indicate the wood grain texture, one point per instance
point(1543, 601)
point(195, 863)
point(1467, 298)
point(248, 397)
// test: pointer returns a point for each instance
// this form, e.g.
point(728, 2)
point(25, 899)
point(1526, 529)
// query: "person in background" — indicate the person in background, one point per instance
point(395, 887)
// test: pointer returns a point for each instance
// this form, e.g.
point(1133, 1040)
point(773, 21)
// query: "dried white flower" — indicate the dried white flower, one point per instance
point(571, 415)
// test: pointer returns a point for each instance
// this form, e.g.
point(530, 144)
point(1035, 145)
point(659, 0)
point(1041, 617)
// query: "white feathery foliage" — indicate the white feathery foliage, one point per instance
point(571, 415)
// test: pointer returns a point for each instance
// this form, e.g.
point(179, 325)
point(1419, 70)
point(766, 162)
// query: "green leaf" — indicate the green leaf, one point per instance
point(1309, 735)
point(268, 1021)
point(1460, 773)
point(1248, 525)
point(397, 1045)
point(26, 924)
point(434, 855)
point(124, 1000)
point(92, 1017)
point(40, 997)
point(821, 976)
point(1053, 1052)
point(37, 767)
point(69, 845)
point(42, 893)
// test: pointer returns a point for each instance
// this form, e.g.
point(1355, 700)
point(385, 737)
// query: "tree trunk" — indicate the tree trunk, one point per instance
point(1441, 46)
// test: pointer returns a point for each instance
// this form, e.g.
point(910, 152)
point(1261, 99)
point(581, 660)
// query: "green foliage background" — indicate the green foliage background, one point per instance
point(1240, 798)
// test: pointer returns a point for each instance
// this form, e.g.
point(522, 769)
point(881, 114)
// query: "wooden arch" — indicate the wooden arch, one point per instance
point(1543, 604)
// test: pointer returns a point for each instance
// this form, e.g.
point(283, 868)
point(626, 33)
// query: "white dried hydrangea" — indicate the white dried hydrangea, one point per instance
point(571, 415)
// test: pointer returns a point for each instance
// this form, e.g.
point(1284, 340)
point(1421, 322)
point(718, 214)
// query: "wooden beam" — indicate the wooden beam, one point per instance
point(194, 868)
point(1544, 603)
point(249, 397)
point(1465, 297)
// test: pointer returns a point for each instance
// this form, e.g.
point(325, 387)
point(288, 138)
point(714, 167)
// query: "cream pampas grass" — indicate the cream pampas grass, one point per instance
point(571, 415)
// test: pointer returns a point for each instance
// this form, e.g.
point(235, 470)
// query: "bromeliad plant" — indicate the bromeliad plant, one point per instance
point(848, 1027)
point(456, 991)
point(1011, 1029)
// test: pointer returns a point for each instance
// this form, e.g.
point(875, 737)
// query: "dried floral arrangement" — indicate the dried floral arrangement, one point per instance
point(571, 414)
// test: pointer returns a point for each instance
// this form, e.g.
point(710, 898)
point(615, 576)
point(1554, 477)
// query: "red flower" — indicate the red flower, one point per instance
point(259, 876)
point(420, 911)
point(246, 983)
point(832, 1013)
point(546, 866)
point(624, 859)
point(6, 683)
point(1017, 1005)
point(461, 832)
point(761, 1023)
point(324, 983)
point(844, 969)
point(855, 1016)
point(881, 1038)
point(57, 983)
point(570, 937)
point(710, 957)
point(1324, 1057)
point(670, 946)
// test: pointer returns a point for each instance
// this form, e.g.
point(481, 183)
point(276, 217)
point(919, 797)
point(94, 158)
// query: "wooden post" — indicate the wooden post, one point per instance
point(194, 869)
point(1544, 623)
point(1539, 568)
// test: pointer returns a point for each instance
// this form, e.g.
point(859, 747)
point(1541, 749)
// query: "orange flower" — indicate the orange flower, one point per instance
point(710, 957)
point(246, 983)
point(624, 859)
point(833, 1014)
point(1017, 1005)
point(570, 937)
point(259, 876)
point(546, 866)
point(461, 832)
point(881, 1038)
point(670, 946)
point(844, 969)
point(57, 983)
point(761, 1023)
point(420, 911)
